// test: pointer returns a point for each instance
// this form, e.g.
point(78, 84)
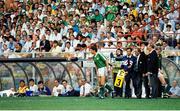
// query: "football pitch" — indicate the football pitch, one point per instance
point(89, 103)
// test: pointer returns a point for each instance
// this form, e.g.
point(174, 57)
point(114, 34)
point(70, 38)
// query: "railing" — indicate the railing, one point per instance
point(45, 69)
point(171, 70)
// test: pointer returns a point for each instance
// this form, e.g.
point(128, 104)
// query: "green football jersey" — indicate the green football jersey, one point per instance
point(99, 60)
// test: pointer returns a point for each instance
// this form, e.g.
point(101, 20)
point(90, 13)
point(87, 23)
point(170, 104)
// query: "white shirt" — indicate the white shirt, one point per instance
point(65, 90)
point(178, 34)
point(27, 46)
point(102, 10)
point(6, 52)
point(74, 33)
point(123, 41)
point(41, 16)
point(88, 43)
point(64, 31)
point(33, 88)
point(24, 26)
point(85, 89)
point(169, 34)
point(42, 31)
point(37, 44)
point(55, 50)
point(71, 49)
point(13, 32)
point(50, 37)
point(110, 39)
point(149, 11)
point(74, 42)
point(85, 34)
point(175, 90)
point(57, 37)
point(55, 90)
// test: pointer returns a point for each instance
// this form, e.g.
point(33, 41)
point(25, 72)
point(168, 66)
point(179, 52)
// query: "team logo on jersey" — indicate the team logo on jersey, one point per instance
point(126, 62)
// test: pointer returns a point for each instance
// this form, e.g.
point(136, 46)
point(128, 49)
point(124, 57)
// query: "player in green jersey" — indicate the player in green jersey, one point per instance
point(101, 66)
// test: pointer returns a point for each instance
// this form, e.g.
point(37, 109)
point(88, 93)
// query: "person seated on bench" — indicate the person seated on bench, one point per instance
point(57, 88)
point(33, 88)
point(42, 89)
point(22, 89)
point(85, 90)
point(174, 91)
point(67, 90)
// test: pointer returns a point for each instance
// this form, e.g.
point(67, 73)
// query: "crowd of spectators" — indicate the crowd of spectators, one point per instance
point(73, 25)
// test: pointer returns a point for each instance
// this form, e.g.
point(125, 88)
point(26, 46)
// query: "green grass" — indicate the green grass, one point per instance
point(91, 103)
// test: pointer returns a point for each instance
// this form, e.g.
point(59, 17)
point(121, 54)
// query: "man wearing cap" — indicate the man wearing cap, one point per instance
point(140, 8)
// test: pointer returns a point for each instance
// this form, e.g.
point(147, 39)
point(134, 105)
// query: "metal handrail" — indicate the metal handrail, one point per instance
point(177, 66)
point(11, 72)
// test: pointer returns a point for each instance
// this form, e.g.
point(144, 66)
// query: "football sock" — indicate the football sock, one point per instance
point(108, 87)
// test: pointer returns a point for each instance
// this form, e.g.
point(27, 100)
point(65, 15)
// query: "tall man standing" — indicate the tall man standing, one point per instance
point(152, 69)
point(129, 62)
point(141, 72)
point(101, 66)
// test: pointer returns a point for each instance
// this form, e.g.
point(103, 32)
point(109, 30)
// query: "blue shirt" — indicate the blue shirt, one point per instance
point(175, 90)
point(129, 62)
point(44, 91)
point(76, 28)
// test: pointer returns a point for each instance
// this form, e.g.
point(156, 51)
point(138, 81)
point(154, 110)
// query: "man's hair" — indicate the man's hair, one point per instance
point(56, 41)
point(83, 80)
point(64, 81)
point(31, 80)
point(139, 50)
point(96, 10)
point(19, 44)
point(64, 37)
point(151, 45)
point(57, 80)
point(40, 82)
point(168, 26)
point(68, 43)
point(129, 49)
point(83, 45)
point(120, 50)
point(21, 81)
point(176, 81)
point(94, 48)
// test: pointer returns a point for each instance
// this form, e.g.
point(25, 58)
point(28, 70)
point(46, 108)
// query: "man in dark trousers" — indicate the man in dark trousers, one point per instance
point(141, 71)
point(152, 69)
point(129, 62)
point(116, 67)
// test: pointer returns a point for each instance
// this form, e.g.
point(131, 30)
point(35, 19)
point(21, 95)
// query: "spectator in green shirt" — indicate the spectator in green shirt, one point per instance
point(97, 16)
point(111, 12)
